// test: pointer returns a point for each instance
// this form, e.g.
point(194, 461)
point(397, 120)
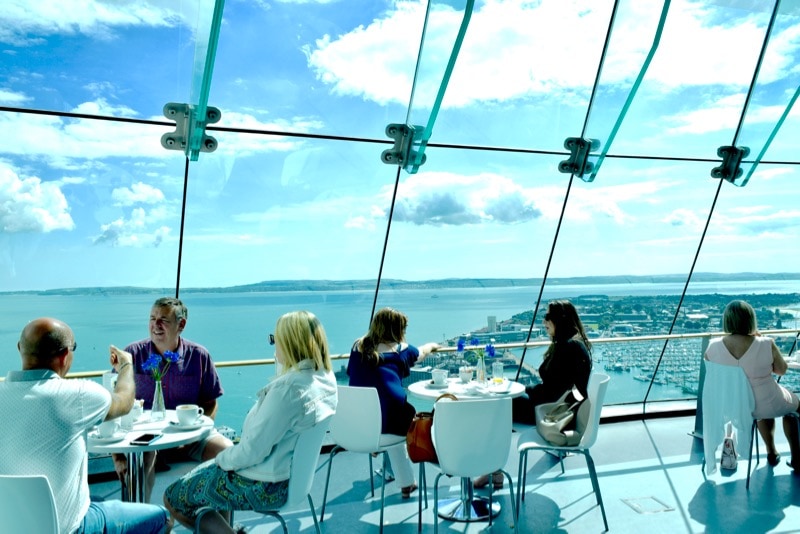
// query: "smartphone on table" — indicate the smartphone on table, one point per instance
point(145, 439)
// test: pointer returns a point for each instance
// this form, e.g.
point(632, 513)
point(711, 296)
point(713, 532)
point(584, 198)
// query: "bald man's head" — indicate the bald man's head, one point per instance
point(44, 339)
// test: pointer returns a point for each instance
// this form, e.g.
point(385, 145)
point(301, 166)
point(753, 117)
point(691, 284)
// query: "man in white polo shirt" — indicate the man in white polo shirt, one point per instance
point(45, 422)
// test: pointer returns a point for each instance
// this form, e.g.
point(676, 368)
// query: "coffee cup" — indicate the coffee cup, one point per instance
point(439, 376)
point(108, 428)
point(465, 374)
point(188, 414)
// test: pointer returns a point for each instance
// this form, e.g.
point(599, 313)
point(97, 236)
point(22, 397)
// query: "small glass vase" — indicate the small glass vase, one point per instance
point(159, 410)
point(480, 371)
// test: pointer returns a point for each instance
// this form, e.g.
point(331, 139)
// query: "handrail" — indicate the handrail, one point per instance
point(501, 346)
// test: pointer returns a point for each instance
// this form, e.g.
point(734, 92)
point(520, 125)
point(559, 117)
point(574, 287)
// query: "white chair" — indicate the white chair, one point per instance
point(727, 397)
point(531, 440)
point(301, 476)
point(27, 504)
point(356, 427)
point(472, 438)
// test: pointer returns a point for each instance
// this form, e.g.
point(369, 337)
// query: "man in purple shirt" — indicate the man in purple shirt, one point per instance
point(192, 379)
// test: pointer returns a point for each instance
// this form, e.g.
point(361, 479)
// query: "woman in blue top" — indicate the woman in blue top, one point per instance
point(381, 359)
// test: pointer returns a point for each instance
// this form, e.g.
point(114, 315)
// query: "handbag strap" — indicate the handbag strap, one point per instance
point(445, 396)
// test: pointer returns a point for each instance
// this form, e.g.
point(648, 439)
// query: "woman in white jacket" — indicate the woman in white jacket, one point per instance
point(254, 474)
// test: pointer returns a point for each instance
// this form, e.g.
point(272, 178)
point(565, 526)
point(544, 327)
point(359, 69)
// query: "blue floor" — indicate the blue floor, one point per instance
point(649, 473)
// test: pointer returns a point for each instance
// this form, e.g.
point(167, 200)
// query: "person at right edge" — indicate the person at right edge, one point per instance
point(759, 357)
point(567, 364)
point(381, 359)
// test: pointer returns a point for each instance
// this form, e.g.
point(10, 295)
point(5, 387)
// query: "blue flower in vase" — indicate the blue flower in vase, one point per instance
point(154, 361)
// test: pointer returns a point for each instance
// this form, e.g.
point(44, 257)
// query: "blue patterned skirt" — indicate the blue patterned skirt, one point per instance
point(208, 485)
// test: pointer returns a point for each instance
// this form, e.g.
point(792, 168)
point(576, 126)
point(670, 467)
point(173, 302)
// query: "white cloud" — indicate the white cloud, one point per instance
point(684, 217)
point(496, 64)
point(19, 19)
point(720, 115)
point(12, 98)
point(103, 108)
point(441, 198)
point(139, 192)
point(30, 205)
point(766, 220)
point(136, 231)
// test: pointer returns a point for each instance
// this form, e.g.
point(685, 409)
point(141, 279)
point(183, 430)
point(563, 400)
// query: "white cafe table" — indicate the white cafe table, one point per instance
point(467, 507)
point(426, 389)
point(171, 436)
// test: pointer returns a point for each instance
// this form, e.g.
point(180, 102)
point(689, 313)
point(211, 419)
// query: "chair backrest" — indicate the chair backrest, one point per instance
point(356, 425)
point(27, 505)
point(304, 461)
point(598, 384)
point(472, 437)
point(727, 397)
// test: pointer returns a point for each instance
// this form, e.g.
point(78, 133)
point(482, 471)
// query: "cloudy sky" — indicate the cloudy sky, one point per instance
point(86, 202)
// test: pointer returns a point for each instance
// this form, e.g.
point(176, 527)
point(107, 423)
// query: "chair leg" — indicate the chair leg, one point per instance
point(436, 504)
point(595, 485)
point(335, 450)
point(424, 483)
point(514, 509)
point(313, 514)
point(278, 516)
point(491, 498)
point(383, 484)
point(753, 438)
point(522, 477)
point(372, 475)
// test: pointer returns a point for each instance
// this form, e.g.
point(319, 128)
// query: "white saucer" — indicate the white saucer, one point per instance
point(502, 387)
point(197, 424)
point(431, 385)
point(118, 436)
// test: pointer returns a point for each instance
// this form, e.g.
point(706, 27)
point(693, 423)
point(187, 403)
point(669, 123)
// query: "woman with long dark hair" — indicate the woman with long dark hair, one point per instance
point(567, 363)
point(381, 359)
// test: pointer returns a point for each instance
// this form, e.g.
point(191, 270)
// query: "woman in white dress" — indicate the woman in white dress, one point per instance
point(760, 359)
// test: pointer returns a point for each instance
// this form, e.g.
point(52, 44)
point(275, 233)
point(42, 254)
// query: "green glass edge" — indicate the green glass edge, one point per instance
point(742, 181)
point(418, 152)
point(632, 93)
point(769, 140)
point(197, 129)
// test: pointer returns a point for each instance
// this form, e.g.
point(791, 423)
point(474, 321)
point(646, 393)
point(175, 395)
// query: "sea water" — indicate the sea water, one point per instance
point(235, 326)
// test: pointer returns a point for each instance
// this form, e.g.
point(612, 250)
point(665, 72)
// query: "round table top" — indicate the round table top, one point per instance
point(172, 435)
point(425, 389)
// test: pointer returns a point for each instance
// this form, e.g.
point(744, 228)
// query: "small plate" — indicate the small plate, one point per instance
point(118, 436)
point(197, 424)
point(502, 387)
point(431, 385)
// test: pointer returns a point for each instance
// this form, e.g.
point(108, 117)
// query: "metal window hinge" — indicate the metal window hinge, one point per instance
point(189, 135)
point(402, 153)
point(578, 162)
point(732, 157)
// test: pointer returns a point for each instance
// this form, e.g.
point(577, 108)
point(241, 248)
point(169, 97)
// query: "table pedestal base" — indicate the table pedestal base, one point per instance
point(135, 480)
point(468, 508)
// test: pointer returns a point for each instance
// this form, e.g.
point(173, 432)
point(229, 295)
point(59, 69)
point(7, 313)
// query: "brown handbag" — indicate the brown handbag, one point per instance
point(419, 440)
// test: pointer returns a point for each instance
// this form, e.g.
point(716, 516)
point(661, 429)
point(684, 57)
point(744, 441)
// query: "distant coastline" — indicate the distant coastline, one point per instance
point(395, 284)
